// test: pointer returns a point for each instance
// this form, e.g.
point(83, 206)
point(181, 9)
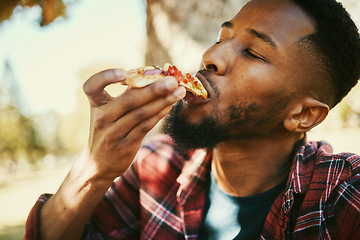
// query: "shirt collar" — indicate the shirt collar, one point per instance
point(196, 171)
point(194, 174)
point(303, 165)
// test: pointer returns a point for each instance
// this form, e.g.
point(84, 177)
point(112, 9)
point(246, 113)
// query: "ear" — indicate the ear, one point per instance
point(305, 115)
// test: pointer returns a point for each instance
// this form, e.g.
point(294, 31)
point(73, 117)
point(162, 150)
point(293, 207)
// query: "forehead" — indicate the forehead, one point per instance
point(282, 20)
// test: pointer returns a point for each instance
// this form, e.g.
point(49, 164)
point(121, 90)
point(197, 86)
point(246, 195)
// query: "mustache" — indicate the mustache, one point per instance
point(208, 76)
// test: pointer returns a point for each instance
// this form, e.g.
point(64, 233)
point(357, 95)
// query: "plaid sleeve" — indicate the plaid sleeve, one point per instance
point(347, 208)
point(33, 220)
point(117, 215)
point(111, 218)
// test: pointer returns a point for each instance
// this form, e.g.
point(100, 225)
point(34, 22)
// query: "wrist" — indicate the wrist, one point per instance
point(87, 172)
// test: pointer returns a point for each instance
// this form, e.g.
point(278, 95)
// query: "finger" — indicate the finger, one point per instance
point(140, 116)
point(139, 132)
point(95, 85)
point(135, 98)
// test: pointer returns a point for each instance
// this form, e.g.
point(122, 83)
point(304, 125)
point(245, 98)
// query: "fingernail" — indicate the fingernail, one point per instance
point(179, 93)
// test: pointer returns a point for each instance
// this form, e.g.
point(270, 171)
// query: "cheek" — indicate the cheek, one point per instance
point(262, 83)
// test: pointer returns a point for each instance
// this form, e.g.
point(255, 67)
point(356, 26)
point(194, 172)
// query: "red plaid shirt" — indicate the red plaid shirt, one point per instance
point(162, 196)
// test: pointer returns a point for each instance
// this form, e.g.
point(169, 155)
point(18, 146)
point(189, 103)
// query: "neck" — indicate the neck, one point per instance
point(248, 167)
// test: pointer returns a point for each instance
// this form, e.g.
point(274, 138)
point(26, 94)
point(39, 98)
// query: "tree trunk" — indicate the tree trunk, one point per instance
point(179, 32)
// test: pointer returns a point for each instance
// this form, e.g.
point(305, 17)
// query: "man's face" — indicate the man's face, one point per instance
point(253, 71)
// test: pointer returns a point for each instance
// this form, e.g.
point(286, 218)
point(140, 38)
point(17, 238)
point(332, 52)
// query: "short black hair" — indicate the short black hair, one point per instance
point(337, 39)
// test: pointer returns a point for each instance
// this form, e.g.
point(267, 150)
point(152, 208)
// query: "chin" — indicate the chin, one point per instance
point(193, 114)
point(191, 130)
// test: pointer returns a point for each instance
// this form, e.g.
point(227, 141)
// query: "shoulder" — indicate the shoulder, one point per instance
point(158, 158)
point(159, 148)
point(335, 180)
point(344, 205)
point(341, 171)
point(320, 153)
point(321, 172)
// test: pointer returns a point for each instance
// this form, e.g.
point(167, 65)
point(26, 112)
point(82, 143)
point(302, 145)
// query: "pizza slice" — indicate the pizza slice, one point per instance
point(141, 77)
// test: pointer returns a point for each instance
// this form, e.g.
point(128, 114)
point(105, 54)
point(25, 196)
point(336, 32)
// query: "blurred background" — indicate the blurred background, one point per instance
point(48, 48)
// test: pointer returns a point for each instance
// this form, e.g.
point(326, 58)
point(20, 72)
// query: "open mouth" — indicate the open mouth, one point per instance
point(204, 82)
point(192, 100)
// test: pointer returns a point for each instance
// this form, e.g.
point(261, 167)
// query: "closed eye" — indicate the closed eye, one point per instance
point(252, 54)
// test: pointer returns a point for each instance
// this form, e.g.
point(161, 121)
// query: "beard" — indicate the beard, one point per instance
point(245, 121)
point(206, 134)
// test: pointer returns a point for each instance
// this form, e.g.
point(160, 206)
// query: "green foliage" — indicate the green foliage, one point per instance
point(18, 136)
point(23, 136)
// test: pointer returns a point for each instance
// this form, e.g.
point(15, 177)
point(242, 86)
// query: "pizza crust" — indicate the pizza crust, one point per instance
point(137, 79)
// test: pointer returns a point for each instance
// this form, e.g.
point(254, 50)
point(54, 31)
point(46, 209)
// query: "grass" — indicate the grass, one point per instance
point(19, 193)
point(12, 233)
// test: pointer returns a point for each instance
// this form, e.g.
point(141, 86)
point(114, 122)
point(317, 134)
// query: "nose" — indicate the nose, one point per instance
point(217, 58)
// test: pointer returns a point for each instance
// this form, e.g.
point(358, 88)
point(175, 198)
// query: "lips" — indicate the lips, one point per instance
point(204, 82)
point(192, 100)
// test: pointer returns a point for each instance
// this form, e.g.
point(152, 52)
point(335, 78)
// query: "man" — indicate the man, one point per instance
point(240, 167)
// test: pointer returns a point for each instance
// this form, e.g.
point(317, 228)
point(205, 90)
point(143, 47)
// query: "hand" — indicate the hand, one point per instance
point(118, 125)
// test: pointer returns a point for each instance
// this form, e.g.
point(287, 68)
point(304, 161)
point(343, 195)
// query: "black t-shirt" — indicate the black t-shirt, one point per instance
point(229, 217)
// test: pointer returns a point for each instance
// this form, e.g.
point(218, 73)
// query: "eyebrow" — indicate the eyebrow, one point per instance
point(263, 36)
point(266, 38)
